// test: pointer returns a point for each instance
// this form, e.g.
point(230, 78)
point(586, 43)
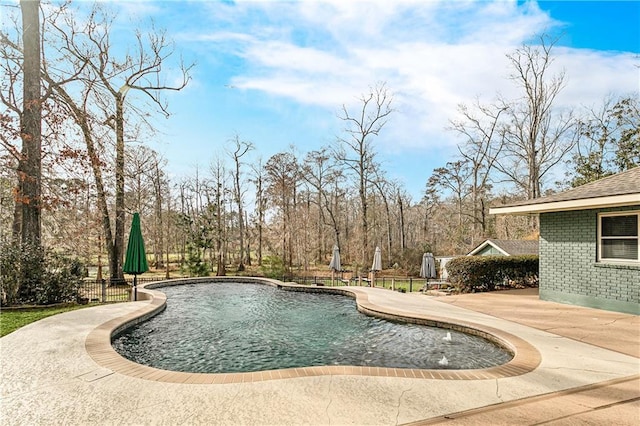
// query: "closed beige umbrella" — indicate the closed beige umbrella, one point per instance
point(377, 265)
point(335, 263)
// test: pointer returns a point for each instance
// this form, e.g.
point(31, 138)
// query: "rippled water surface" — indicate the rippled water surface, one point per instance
point(233, 327)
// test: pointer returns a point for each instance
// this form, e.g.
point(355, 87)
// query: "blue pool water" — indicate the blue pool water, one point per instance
point(233, 327)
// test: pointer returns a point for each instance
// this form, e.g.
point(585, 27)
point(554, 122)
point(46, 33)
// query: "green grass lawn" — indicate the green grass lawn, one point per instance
point(11, 320)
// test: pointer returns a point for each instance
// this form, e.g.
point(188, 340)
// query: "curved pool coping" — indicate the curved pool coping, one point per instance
point(98, 343)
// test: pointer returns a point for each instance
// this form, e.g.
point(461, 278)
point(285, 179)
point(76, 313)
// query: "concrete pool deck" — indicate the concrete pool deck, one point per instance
point(587, 372)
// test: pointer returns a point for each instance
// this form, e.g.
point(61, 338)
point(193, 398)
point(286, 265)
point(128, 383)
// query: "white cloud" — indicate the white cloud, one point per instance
point(433, 55)
point(286, 56)
point(136, 10)
point(219, 36)
point(592, 75)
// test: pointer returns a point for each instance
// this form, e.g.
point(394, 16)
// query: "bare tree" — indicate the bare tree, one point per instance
point(385, 190)
point(237, 152)
point(282, 178)
point(609, 140)
point(139, 166)
point(480, 126)
point(110, 79)
point(356, 151)
point(595, 149)
point(29, 168)
point(218, 172)
point(627, 113)
point(160, 183)
point(11, 121)
point(537, 137)
point(31, 116)
point(145, 186)
point(454, 178)
point(402, 200)
point(258, 180)
point(27, 214)
point(321, 173)
point(429, 205)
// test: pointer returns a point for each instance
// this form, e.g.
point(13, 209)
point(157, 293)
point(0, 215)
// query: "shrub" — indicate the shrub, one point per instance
point(31, 275)
point(194, 266)
point(485, 273)
point(63, 277)
point(273, 267)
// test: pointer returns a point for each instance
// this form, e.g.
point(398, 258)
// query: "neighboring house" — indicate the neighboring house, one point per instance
point(493, 247)
point(590, 243)
point(442, 261)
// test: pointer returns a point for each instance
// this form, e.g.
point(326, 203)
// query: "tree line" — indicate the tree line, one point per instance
point(73, 170)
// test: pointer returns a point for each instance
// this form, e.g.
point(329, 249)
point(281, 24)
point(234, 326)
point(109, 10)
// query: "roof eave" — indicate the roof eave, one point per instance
point(557, 206)
point(483, 245)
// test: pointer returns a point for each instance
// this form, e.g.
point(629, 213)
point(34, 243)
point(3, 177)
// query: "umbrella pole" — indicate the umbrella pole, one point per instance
point(135, 287)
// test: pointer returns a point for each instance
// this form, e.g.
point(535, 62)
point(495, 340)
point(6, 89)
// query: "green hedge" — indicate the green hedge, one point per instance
point(32, 275)
point(484, 273)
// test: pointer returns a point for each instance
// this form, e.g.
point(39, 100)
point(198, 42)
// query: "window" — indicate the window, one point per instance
point(619, 237)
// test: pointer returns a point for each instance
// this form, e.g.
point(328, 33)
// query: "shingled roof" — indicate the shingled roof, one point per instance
point(509, 247)
point(616, 190)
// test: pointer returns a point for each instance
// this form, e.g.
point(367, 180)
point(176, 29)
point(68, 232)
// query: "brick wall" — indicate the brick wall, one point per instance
point(569, 271)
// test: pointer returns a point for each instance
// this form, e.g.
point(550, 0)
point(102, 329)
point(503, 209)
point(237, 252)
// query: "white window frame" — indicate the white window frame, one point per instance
point(637, 238)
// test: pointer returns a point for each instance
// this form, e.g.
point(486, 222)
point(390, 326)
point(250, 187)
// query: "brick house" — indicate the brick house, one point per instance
point(590, 243)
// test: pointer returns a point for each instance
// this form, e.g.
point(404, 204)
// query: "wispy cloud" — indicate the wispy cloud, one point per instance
point(434, 55)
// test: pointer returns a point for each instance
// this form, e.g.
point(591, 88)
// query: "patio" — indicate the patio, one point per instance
point(589, 367)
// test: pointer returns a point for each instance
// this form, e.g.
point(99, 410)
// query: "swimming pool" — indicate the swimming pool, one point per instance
point(240, 327)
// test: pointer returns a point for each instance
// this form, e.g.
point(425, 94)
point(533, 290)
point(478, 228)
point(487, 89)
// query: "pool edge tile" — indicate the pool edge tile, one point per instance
point(526, 357)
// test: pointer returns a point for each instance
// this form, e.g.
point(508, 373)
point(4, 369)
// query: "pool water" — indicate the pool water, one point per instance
point(238, 327)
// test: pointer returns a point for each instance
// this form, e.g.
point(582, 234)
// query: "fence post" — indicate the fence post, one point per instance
point(410, 284)
point(103, 284)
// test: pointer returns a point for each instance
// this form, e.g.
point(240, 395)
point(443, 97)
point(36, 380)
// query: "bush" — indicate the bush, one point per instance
point(31, 275)
point(194, 266)
point(273, 267)
point(63, 277)
point(485, 273)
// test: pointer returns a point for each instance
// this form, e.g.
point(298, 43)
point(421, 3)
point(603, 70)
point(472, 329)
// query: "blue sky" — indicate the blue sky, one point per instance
point(277, 73)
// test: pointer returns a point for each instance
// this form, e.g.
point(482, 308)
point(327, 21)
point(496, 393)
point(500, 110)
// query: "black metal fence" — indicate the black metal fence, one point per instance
point(109, 290)
point(402, 284)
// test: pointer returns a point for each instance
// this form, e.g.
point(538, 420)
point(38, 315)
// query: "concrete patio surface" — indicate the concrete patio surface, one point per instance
point(588, 374)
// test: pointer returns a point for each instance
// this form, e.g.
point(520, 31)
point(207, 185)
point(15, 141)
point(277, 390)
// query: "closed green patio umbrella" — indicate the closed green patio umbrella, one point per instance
point(136, 260)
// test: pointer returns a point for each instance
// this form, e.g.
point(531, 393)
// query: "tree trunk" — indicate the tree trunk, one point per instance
point(364, 224)
point(16, 226)
point(248, 250)
point(118, 242)
point(260, 219)
point(159, 245)
point(319, 223)
point(80, 117)
point(29, 168)
point(220, 261)
point(403, 237)
point(168, 221)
